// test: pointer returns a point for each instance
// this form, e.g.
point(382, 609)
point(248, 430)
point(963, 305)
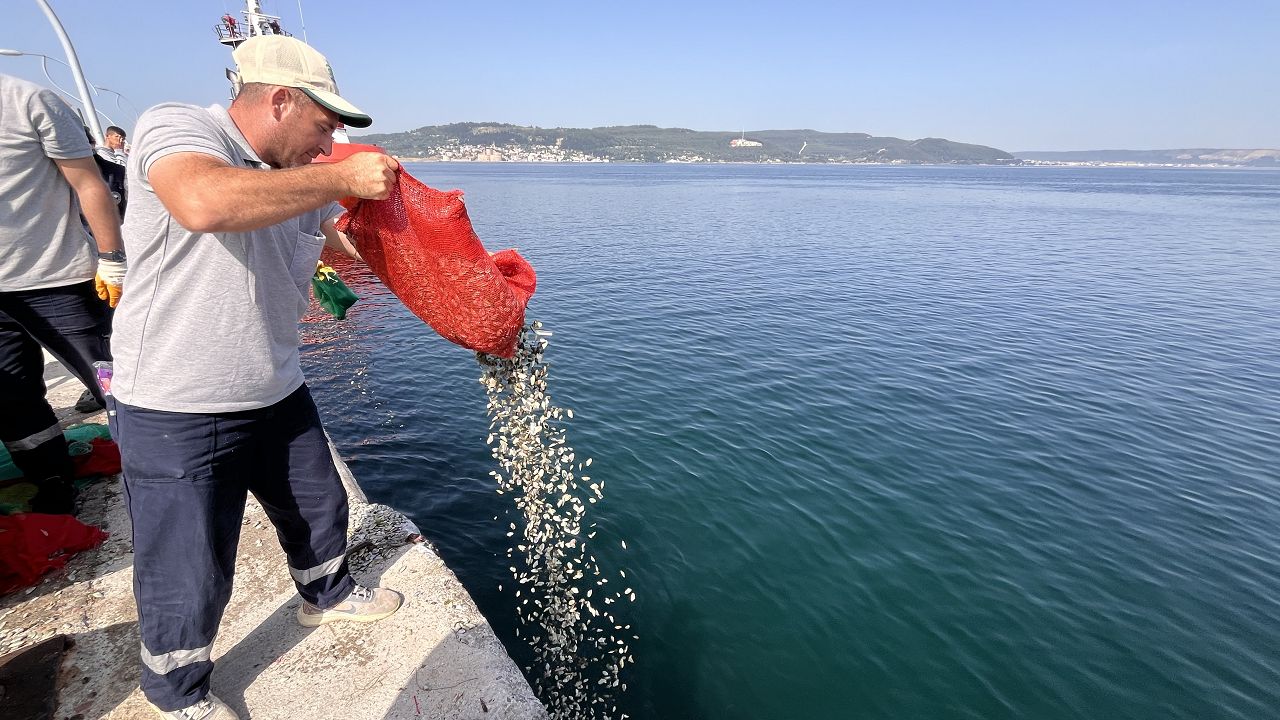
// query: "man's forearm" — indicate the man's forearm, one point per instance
point(227, 199)
point(99, 209)
point(96, 203)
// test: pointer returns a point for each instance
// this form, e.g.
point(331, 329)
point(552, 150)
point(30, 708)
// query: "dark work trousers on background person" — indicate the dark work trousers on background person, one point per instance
point(75, 326)
point(186, 477)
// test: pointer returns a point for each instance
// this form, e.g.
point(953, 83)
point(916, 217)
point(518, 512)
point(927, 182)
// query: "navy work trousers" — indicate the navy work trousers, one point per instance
point(186, 477)
point(75, 326)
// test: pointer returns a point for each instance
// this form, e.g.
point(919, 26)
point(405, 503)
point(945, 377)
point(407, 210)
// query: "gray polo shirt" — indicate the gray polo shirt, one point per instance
point(208, 322)
point(43, 244)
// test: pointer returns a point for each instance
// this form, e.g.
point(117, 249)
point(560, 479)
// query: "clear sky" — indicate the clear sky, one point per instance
point(1025, 75)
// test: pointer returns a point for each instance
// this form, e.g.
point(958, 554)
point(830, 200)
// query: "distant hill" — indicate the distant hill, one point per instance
point(649, 143)
point(1193, 156)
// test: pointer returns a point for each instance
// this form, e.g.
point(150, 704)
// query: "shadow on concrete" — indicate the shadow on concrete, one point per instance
point(100, 671)
point(280, 633)
point(443, 686)
point(270, 640)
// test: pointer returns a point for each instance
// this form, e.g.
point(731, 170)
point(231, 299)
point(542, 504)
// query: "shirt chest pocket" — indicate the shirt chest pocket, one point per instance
point(305, 254)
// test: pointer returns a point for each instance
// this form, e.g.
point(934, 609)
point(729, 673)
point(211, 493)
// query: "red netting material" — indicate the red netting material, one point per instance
point(420, 243)
point(32, 544)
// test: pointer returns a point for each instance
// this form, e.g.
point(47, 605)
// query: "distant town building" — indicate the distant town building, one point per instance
point(489, 154)
point(744, 142)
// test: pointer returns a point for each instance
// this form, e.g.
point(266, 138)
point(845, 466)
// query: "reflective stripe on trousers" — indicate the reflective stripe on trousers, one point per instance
point(170, 661)
point(310, 575)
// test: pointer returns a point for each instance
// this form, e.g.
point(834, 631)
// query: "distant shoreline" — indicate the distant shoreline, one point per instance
point(1014, 164)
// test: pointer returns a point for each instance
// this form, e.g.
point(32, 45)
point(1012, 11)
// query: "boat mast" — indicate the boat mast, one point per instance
point(232, 32)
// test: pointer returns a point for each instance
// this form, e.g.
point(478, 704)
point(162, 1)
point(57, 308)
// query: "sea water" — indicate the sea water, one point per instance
point(882, 442)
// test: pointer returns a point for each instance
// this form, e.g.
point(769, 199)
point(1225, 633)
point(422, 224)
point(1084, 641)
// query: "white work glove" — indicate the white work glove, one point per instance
point(110, 280)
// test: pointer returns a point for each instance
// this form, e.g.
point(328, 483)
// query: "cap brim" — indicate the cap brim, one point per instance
point(348, 113)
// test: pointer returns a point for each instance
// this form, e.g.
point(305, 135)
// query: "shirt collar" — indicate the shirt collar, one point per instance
point(228, 126)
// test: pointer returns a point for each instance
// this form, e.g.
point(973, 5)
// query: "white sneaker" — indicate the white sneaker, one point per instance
point(210, 708)
point(362, 605)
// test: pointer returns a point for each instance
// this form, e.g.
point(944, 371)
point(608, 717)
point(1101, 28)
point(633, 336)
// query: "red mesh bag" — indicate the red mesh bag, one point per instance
point(32, 544)
point(420, 243)
point(103, 459)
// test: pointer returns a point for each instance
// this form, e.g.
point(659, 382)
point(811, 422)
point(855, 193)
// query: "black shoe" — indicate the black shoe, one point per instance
point(88, 403)
point(55, 497)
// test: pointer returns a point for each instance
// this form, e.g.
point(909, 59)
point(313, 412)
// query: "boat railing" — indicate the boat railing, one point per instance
point(232, 32)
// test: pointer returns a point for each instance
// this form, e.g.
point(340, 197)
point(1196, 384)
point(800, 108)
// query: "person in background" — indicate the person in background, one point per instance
point(113, 175)
point(52, 276)
point(227, 220)
point(113, 148)
point(111, 159)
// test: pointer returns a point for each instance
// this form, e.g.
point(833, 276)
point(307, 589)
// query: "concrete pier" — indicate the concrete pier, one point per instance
point(436, 658)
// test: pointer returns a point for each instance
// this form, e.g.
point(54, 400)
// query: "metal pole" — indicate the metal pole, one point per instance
point(91, 114)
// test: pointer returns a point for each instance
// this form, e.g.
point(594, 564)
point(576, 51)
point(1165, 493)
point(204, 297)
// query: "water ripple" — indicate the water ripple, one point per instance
point(888, 442)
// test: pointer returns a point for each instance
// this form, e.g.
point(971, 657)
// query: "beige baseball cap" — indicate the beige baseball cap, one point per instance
point(289, 62)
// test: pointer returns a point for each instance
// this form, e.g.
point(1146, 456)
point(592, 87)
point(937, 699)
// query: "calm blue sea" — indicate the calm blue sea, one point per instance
point(883, 442)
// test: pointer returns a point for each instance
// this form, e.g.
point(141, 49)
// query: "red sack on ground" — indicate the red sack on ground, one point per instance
point(32, 544)
point(420, 243)
point(104, 459)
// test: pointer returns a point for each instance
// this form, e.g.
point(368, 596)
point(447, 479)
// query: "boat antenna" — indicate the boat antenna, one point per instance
point(302, 22)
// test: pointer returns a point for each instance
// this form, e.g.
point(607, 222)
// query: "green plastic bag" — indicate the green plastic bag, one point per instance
point(332, 294)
